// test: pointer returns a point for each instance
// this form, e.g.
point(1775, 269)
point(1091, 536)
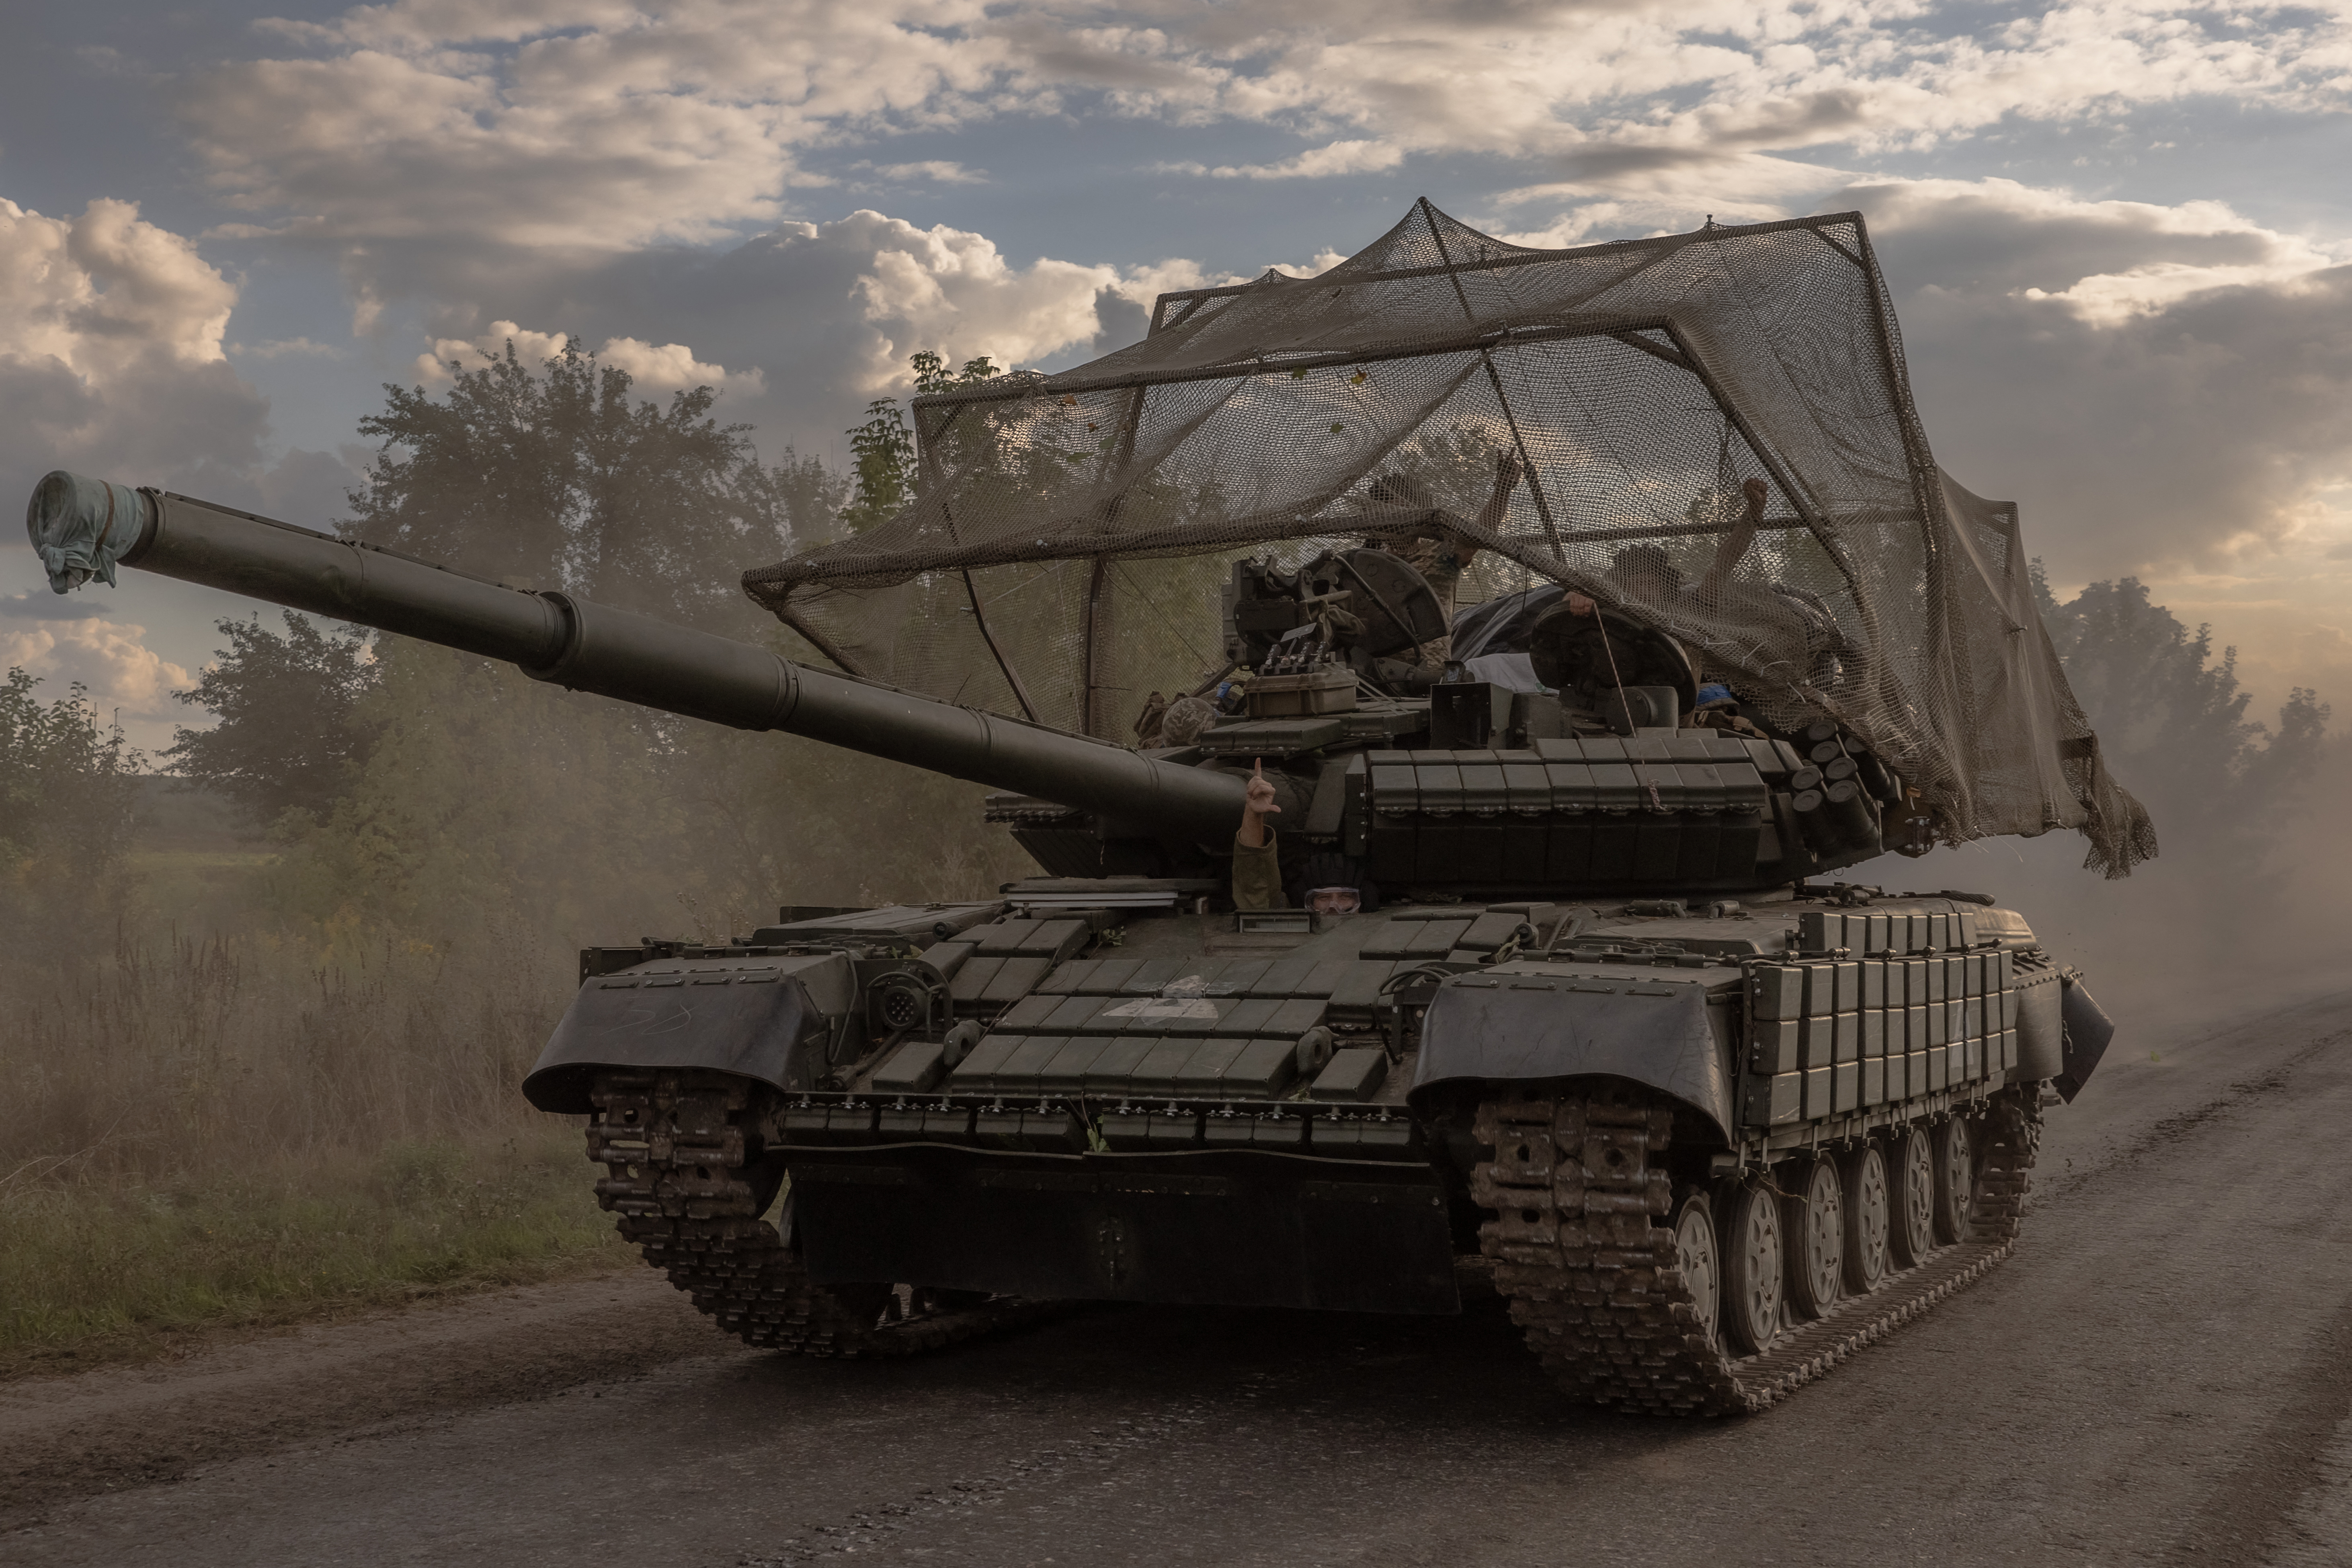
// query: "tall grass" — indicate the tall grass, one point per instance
point(226, 1053)
point(232, 1128)
point(186, 1057)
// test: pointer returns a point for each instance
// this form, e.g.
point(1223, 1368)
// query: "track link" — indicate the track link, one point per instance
point(676, 1149)
point(1582, 1251)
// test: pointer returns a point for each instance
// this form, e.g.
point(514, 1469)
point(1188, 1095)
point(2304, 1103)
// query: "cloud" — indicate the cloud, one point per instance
point(672, 367)
point(114, 360)
point(110, 350)
point(41, 604)
point(2157, 384)
point(483, 160)
point(124, 676)
point(1612, 91)
point(918, 288)
point(668, 367)
point(2161, 388)
point(285, 348)
point(825, 314)
point(106, 290)
point(2105, 260)
point(568, 123)
point(1338, 158)
point(440, 149)
point(937, 171)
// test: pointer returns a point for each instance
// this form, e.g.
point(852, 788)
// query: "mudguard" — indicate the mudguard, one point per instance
point(1658, 1033)
point(2087, 1031)
point(749, 1016)
point(2040, 1026)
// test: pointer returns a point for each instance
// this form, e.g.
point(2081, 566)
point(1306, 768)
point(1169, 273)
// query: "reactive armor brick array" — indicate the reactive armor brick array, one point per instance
point(1826, 1036)
point(1686, 807)
point(1868, 934)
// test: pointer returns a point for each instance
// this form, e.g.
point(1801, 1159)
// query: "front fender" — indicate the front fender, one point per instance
point(747, 1016)
point(1660, 1033)
point(2088, 1030)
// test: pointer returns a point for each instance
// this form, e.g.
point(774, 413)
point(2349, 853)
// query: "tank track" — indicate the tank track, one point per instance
point(1582, 1251)
point(675, 1146)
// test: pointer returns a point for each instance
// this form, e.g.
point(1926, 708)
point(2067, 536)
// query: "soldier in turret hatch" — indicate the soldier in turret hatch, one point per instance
point(1327, 884)
point(1786, 626)
point(1433, 550)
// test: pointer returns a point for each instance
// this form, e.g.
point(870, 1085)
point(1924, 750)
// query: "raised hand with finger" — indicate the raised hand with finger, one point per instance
point(1257, 805)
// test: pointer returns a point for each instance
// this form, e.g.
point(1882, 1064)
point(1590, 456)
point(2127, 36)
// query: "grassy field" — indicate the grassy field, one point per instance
point(124, 1267)
point(215, 1126)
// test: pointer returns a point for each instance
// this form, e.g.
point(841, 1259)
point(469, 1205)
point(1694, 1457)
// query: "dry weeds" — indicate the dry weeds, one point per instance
point(226, 1130)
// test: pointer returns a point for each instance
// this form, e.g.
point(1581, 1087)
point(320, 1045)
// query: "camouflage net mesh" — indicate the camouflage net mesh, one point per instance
point(1072, 533)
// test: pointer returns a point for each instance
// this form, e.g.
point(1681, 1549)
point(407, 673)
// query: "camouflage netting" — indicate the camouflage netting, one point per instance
point(1072, 532)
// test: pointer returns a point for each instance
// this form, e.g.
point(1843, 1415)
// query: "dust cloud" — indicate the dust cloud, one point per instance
point(2238, 913)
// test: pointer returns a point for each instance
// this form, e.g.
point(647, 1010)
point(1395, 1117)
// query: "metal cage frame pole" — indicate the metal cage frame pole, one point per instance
point(1495, 378)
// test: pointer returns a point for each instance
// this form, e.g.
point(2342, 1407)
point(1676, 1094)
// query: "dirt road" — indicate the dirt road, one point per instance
point(2163, 1373)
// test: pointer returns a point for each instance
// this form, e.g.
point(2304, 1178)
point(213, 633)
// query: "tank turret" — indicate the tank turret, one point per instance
point(1461, 785)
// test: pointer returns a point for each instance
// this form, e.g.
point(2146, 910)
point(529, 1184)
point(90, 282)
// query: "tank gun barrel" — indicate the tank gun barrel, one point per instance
point(81, 527)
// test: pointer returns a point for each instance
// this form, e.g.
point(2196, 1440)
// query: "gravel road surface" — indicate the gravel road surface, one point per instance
point(2162, 1373)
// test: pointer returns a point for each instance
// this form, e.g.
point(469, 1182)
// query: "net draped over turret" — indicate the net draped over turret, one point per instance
point(1072, 532)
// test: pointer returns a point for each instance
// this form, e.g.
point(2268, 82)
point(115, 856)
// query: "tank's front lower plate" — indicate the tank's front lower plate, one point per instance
point(1234, 1230)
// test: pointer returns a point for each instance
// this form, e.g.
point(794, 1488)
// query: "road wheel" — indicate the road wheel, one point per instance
point(1912, 1174)
point(1956, 1178)
point(1752, 1266)
point(1814, 1218)
point(1867, 1210)
point(1700, 1260)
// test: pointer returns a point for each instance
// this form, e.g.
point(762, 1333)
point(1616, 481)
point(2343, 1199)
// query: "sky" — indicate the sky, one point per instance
point(2118, 235)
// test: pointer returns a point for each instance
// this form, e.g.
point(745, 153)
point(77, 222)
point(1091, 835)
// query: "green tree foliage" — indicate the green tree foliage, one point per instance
point(486, 803)
point(286, 738)
point(482, 808)
point(556, 475)
point(2172, 718)
point(883, 447)
point(68, 792)
point(883, 450)
point(66, 782)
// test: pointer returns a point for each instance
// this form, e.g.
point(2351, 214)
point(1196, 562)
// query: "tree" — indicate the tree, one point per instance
point(484, 808)
point(2171, 720)
point(558, 477)
point(286, 737)
point(67, 793)
point(67, 782)
point(884, 448)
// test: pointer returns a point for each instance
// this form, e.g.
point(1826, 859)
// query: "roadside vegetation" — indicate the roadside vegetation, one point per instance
point(270, 994)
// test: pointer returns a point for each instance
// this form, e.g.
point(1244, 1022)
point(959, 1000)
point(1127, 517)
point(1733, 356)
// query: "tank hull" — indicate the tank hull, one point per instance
point(1380, 1113)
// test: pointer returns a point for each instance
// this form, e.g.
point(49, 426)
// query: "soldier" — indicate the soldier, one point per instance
point(1328, 884)
point(1183, 721)
point(1435, 550)
point(1147, 723)
point(1778, 619)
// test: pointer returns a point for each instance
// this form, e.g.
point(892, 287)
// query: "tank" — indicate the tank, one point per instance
point(1601, 1032)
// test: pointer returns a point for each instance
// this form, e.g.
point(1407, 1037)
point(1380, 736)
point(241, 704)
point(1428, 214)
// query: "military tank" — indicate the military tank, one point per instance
point(1559, 997)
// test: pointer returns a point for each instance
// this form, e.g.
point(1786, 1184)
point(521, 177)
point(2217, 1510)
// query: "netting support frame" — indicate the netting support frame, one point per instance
point(1770, 326)
point(1495, 378)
